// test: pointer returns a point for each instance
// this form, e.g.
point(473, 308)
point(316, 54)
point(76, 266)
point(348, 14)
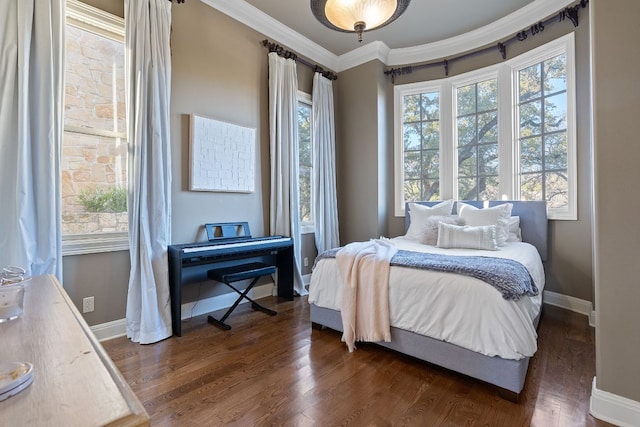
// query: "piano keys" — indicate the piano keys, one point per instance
point(189, 263)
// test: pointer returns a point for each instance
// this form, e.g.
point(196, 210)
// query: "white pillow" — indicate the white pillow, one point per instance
point(497, 215)
point(515, 235)
point(469, 237)
point(419, 215)
point(430, 228)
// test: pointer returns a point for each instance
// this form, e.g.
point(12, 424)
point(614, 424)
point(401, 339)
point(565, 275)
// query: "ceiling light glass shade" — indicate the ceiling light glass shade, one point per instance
point(345, 13)
point(355, 16)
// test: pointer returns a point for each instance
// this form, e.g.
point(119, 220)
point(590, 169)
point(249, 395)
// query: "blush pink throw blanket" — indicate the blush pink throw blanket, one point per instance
point(364, 269)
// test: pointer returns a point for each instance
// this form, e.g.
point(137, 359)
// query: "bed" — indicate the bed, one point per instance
point(468, 341)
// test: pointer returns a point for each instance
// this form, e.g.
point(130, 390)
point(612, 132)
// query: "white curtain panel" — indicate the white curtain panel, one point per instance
point(31, 94)
point(325, 204)
point(283, 142)
point(148, 89)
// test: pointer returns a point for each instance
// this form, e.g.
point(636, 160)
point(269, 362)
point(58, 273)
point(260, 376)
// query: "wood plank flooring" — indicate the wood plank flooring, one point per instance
point(278, 371)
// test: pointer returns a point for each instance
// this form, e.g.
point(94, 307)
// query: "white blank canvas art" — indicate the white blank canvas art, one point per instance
point(222, 156)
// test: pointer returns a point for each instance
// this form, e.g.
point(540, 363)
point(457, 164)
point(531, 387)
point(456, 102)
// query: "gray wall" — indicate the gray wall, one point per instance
point(361, 147)
point(616, 100)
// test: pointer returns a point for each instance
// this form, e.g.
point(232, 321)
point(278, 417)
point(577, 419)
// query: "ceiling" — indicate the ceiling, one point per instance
point(424, 21)
point(427, 30)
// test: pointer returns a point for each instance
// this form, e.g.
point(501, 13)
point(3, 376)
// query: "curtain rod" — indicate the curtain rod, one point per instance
point(569, 12)
point(281, 51)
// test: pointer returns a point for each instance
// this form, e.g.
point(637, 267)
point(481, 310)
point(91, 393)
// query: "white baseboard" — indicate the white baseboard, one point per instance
point(613, 409)
point(570, 303)
point(110, 330)
point(118, 328)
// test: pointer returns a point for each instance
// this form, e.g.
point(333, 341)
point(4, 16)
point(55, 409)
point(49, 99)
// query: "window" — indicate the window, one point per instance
point(477, 140)
point(94, 147)
point(504, 132)
point(542, 131)
point(421, 145)
point(305, 162)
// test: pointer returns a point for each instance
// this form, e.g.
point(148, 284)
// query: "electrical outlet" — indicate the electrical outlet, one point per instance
point(87, 305)
point(306, 261)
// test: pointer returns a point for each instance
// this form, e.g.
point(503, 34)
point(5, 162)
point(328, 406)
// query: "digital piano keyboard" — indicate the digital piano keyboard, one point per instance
point(189, 263)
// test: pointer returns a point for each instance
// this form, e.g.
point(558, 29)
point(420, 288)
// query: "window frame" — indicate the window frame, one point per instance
point(563, 45)
point(508, 129)
point(307, 227)
point(104, 24)
point(457, 82)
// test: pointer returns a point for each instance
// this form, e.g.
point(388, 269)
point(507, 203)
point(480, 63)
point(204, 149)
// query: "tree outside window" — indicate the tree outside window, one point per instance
point(305, 162)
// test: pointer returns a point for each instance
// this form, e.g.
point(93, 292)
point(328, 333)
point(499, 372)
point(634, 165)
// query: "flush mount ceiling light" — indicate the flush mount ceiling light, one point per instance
point(356, 16)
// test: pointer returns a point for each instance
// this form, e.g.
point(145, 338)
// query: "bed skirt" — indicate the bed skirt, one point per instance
point(507, 374)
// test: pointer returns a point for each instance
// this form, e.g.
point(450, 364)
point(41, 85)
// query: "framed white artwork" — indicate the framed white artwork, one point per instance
point(222, 156)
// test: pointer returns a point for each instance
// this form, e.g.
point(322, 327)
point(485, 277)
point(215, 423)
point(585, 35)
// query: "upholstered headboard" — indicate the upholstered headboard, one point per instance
point(533, 219)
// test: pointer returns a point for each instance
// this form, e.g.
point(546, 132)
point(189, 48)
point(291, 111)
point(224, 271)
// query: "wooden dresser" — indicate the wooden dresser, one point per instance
point(75, 383)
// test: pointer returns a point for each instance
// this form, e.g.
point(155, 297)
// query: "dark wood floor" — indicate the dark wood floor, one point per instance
point(278, 371)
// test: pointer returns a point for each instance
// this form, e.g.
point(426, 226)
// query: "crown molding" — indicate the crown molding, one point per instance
point(374, 50)
point(492, 33)
point(503, 28)
point(254, 18)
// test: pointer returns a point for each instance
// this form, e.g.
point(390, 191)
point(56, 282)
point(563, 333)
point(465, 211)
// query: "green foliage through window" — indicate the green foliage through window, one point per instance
point(113, 199)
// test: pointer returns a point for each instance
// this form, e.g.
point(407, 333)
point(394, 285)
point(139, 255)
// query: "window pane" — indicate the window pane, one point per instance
point(555, 72)
point(467, 161)
point(305, 194)
point(466, 130)
point(477, 139)
point(94, 81)
point(412, 190)
point(555, 112)
point(94, 190)
point(412, 136)
point(529, 82)
point(412, 165)
point(488, 188)
point(543, 132)
point(557, 189)
point(411, 108)
point(430, 103)
point(467, 189)
point(555, 146)
point(530, 155)
point(431, 135)
point(466, 100)
point(430, 164)
point(421, 143)
point(531, 187)
point(430, 190)
point(531, 118)
point(488, 159)
point(488, 127)
point(305, 161)
point(304, 134)
point(94, 156)
point(488, 95)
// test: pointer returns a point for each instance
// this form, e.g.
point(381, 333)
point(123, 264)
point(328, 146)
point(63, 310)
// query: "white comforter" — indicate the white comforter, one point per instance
point(458, 309)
